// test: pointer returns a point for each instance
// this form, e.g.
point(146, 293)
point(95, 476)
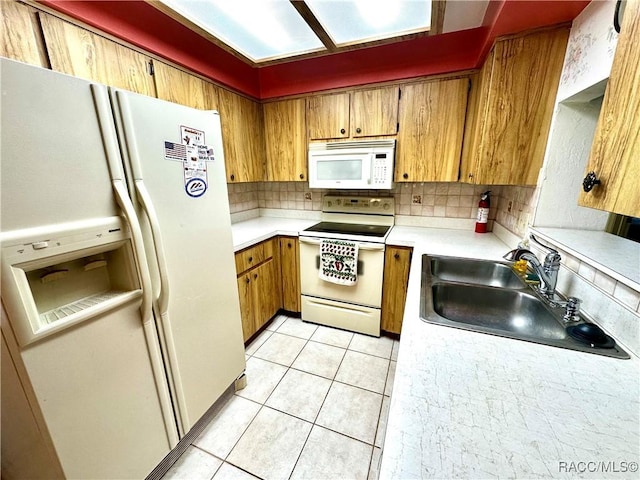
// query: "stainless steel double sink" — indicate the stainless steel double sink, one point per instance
point(489, 297)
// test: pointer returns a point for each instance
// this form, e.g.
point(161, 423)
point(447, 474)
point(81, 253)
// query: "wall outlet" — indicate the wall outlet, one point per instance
point(510, 205)
point(417, 200)
point(307, 196)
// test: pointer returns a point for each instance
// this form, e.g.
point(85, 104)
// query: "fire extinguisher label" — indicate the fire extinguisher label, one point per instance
point(483, 215)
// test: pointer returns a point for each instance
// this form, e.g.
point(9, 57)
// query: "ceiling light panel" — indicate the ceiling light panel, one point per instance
point(258, 29)
point(353, 21)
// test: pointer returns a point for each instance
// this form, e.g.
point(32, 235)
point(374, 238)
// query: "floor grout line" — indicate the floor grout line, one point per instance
point(263, 405)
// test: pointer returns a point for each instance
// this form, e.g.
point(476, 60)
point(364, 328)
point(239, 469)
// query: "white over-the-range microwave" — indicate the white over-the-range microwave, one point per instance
point(352, 165)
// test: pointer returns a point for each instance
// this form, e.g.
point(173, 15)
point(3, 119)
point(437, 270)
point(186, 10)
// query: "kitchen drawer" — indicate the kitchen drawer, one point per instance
point(252, 256)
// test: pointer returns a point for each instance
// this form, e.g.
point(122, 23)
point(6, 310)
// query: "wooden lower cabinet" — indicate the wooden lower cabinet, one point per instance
point(290, 267)
point(259, 285)
point(397, 261)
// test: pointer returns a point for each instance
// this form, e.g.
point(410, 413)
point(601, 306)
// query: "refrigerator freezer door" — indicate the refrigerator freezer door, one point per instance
point(54, 167)
point(95, 386)
point(181, 194)
point(98, 378)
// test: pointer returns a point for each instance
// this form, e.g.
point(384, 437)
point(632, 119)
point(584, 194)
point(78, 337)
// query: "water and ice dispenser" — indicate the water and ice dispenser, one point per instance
point(67, 278)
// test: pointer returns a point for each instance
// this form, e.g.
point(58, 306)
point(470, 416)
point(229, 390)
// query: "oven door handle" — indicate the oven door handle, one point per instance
point(361, 246)
point(359, 266)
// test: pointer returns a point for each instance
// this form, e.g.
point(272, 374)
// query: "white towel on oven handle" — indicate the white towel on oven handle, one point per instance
point(338, 262)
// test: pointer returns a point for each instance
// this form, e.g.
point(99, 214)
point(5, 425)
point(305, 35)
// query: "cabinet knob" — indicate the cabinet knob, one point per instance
point(342, 130)
point(471, 175)
point(255, 276)
point(358, 130)
point(396, 256)
point(250, 259)
point(289, 245)
point(405, 175)
point(247, 280)
point(302, 176)
point(590, 181)
point(233, 177)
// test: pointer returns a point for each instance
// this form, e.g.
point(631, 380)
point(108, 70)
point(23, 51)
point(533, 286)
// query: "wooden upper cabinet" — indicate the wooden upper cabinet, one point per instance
point(510, 109)
point(285, 140)
point(328, 116)
point(361, 113)
point(242, 137)
point(76, 51)
point(177, 86)
point(432, 116)
point(615, 152)
point(374, 112)
point(20, 36)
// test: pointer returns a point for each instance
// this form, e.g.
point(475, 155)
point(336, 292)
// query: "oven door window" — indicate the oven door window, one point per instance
point(340, 169)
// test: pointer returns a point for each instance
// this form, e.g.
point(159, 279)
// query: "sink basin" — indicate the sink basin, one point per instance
point(482, 272)
point(488, 297)
point(509, 311)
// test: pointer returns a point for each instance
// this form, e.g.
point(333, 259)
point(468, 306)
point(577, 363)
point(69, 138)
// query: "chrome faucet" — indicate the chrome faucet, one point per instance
point(547, 272)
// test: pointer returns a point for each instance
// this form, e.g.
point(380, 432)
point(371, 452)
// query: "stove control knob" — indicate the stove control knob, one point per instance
point(329, 203)
point(338, 202)
point(375, 203)
point(386, 206)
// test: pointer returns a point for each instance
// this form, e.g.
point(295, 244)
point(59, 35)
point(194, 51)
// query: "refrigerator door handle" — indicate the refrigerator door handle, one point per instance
point(147, 205)
point(110, 137)
point(124, 201)
point(144, 199)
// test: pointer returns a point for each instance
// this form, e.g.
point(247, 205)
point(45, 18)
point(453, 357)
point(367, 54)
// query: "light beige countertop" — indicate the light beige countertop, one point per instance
point(256, 230)
point(470, 405)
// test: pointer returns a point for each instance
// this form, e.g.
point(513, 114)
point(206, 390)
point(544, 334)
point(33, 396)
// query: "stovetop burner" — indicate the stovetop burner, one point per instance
point(377, 231)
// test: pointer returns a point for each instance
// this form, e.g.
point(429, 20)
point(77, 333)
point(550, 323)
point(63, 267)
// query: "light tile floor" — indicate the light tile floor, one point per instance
point(315, 407)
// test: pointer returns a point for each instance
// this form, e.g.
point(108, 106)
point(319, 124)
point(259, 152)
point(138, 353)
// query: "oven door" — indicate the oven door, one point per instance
point(367, 290)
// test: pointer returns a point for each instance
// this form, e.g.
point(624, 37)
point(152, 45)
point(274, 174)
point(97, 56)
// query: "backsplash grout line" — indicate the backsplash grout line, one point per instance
point(510, 205)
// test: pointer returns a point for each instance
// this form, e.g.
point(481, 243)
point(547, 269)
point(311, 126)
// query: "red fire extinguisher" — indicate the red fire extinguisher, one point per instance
point(483, 212)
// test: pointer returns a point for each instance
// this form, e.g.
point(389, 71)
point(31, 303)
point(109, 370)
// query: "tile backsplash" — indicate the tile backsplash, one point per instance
point(611, 303)
point(511, 206)
point(515, 205)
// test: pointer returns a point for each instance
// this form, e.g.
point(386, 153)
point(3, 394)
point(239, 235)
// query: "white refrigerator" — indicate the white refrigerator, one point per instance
point(120, 320)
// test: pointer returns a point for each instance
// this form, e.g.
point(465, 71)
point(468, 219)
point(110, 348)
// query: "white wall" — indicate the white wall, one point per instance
point(561, 176)
point(590, 50)
point(587, 65)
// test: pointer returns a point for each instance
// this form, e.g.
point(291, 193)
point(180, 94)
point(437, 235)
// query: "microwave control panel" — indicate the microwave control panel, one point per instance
point(382, 169)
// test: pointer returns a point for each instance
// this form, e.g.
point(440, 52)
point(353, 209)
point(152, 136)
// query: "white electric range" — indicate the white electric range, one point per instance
point(366, 221)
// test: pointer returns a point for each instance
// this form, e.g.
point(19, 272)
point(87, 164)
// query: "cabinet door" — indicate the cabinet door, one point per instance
point(519, 83)
point(328, 116)
point(374, 112)
point(20, 36)
point(245, 291)
point(397, 261)
point(290, 268)
point(285, 140)
point(432, 118)
point(267, 291)
point(177, 86)
point(242, 137)
point(75, 51)
point(615, 152)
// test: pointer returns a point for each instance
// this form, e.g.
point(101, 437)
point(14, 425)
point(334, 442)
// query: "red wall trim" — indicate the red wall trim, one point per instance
point(139, 23)
point(142, 25)
point(413, 58)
